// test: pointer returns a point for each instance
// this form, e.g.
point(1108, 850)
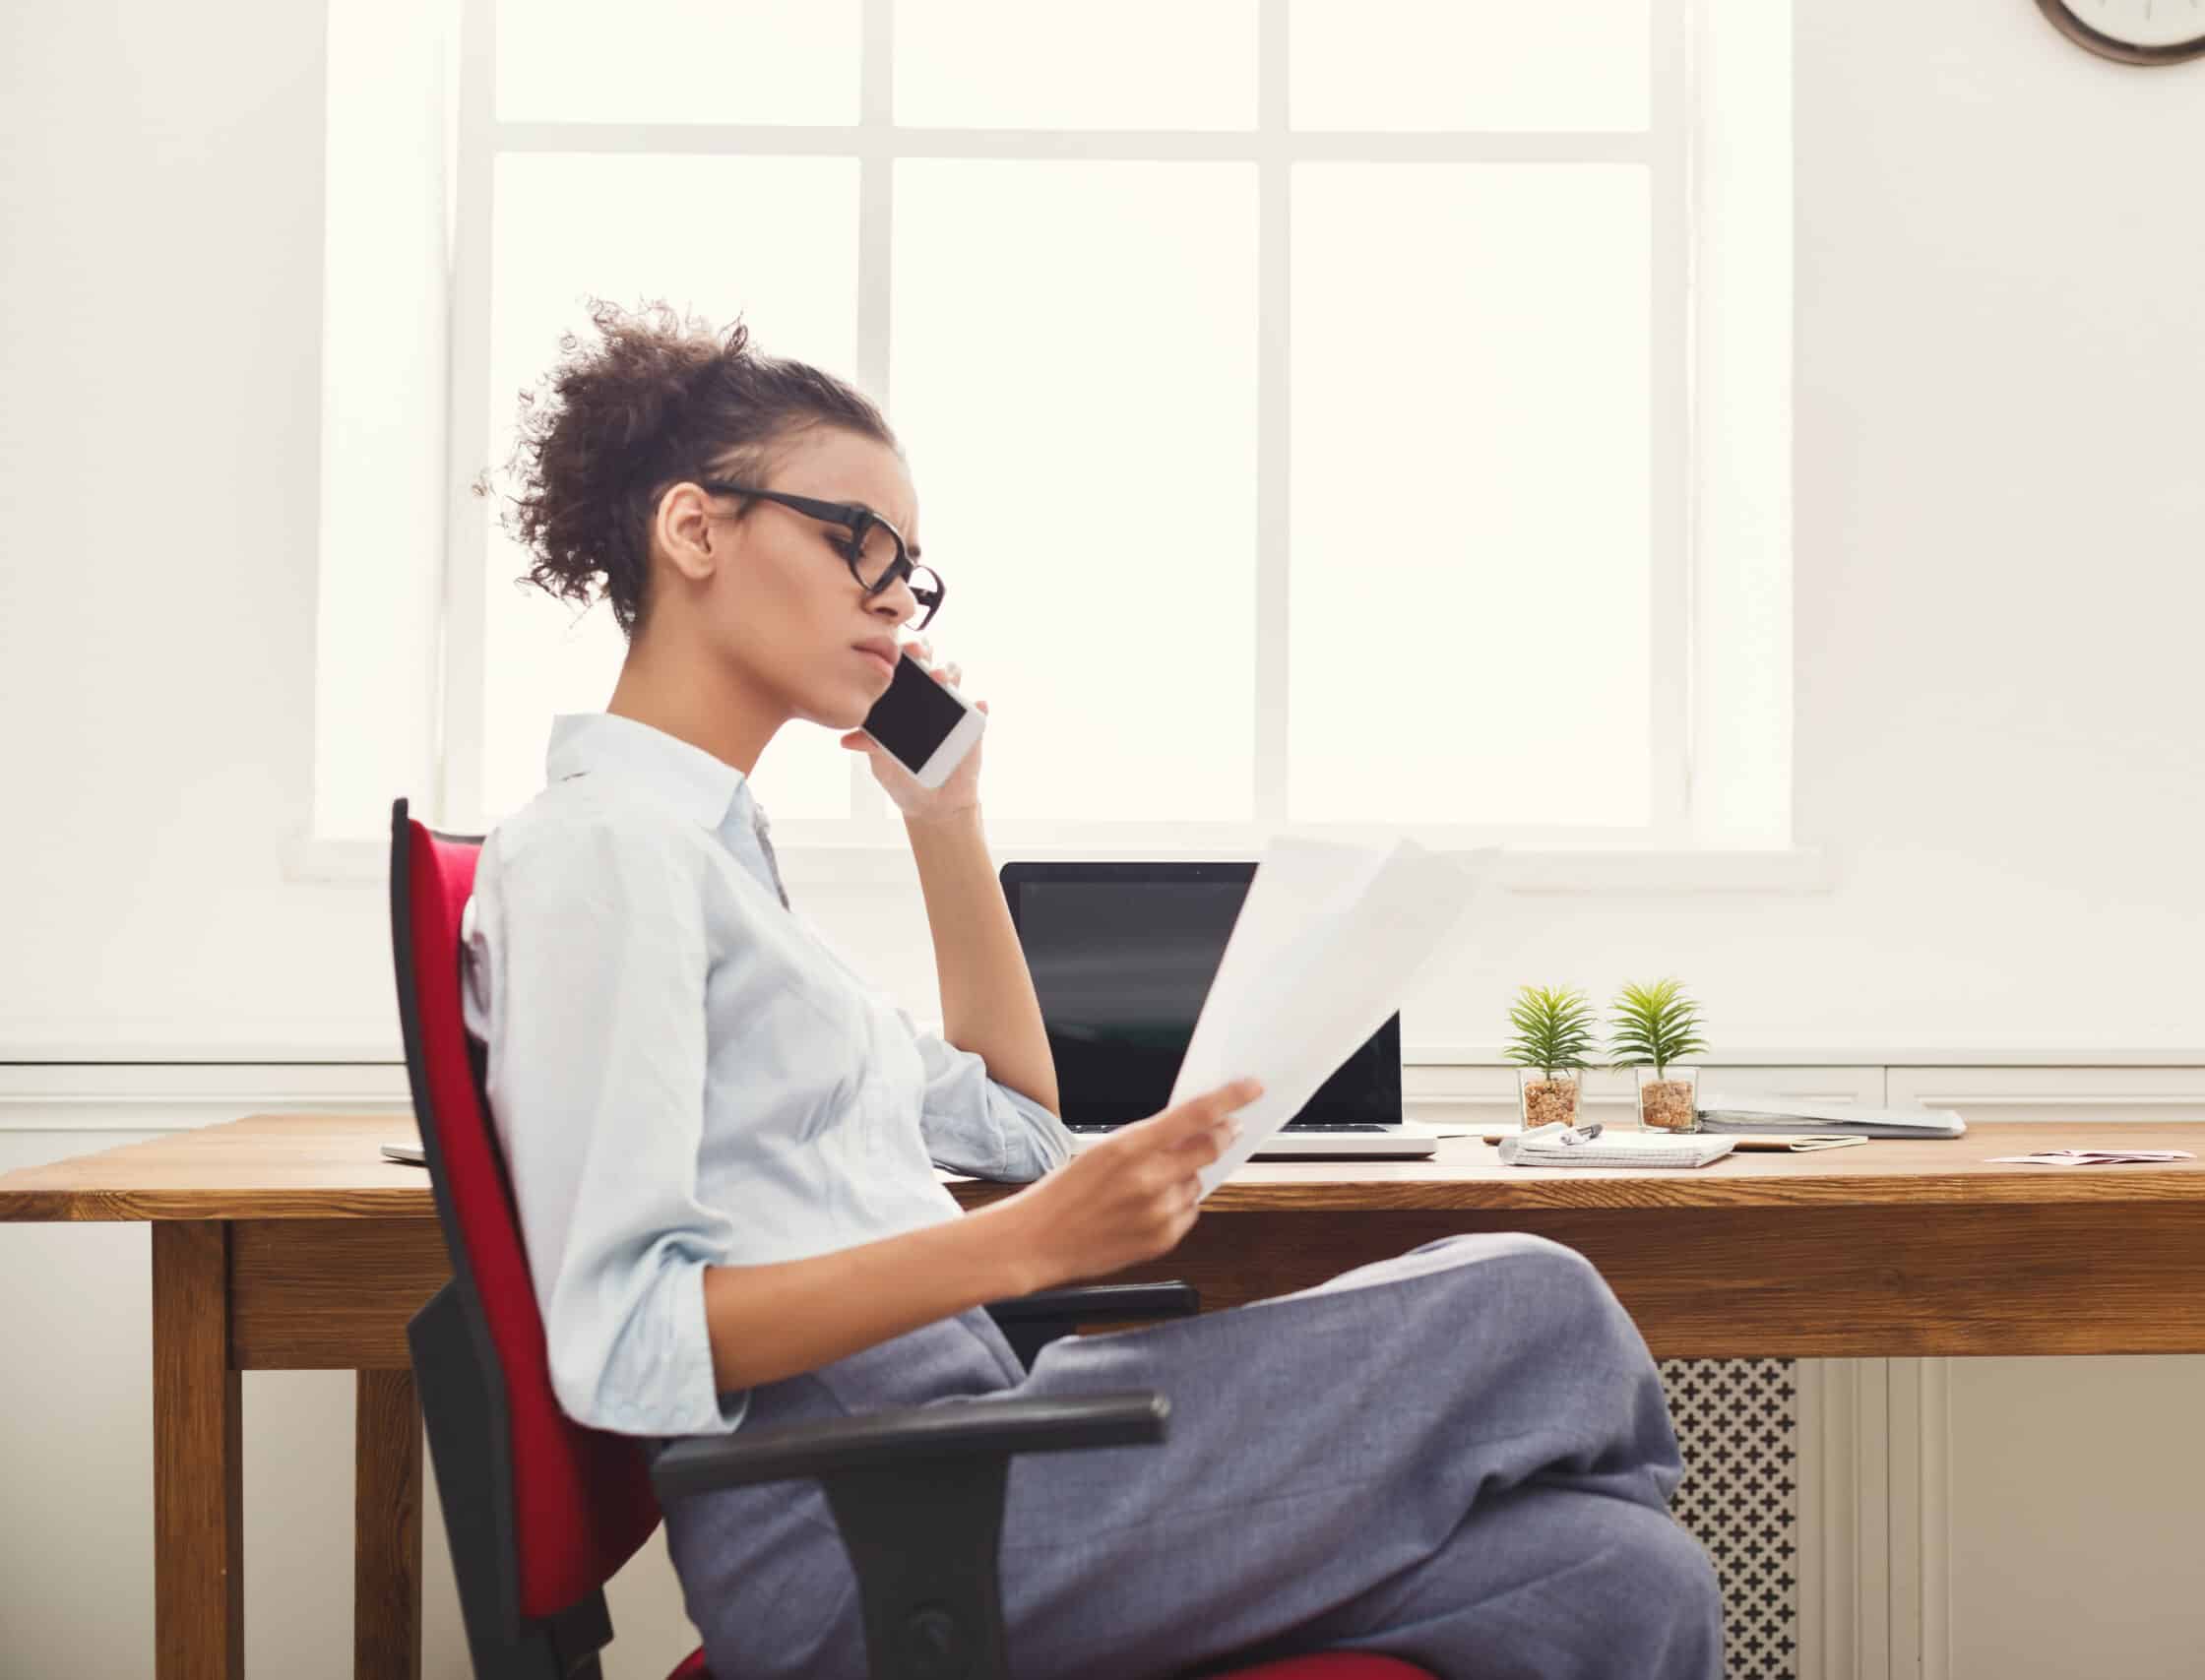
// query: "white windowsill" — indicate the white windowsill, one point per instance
point(1519, 869)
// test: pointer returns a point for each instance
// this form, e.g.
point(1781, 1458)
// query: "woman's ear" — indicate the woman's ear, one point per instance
point(683, 529)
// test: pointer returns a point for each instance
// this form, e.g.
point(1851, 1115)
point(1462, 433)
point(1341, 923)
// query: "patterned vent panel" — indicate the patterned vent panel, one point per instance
point(1737, 1428)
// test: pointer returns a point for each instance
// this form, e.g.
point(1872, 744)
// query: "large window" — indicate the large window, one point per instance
point(1318, 408)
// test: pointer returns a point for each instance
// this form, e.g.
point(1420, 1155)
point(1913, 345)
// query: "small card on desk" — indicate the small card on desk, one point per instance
point(2095, 1158)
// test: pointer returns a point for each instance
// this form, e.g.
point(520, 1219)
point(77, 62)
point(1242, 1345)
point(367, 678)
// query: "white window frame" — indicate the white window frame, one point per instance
point(1717, 155)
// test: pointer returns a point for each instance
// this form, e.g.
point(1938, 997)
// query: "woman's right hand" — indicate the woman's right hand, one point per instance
point(1132, 1196)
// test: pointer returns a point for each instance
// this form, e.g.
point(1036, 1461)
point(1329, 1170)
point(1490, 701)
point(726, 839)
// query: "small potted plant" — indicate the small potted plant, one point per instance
point(1553, 1031)
point(1654, 1026)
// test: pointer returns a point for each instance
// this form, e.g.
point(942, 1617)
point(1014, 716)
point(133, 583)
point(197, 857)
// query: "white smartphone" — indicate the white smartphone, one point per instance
point(924, 724)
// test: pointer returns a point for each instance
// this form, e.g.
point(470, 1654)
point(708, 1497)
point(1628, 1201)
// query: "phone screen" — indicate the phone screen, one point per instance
point(914, 715)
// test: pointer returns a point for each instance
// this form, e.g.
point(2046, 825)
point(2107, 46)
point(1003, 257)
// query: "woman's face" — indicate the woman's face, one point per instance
point(777, 606)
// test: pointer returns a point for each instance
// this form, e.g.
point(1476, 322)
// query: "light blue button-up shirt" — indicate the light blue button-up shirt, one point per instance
point(683, 1073)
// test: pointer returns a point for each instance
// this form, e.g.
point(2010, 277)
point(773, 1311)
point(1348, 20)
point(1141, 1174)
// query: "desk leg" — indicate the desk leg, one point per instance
point(386, 1530)
point(199, 1531)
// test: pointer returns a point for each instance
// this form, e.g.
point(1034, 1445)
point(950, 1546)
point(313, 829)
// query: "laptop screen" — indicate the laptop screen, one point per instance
point(1122, 955)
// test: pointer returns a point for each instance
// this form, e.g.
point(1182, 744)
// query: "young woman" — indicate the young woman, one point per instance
point(721, 1139)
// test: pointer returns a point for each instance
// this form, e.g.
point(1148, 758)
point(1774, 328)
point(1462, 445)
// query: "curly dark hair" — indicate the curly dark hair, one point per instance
point(665, 397)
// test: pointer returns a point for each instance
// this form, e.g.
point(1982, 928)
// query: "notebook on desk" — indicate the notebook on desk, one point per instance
point(1122, 954)
point(1785, 1143)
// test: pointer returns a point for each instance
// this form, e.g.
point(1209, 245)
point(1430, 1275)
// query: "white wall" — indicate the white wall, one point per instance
point(1998, 500)
point(1999, 490)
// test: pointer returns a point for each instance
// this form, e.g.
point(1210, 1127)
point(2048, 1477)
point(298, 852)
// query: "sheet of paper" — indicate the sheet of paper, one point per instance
point(1329, 937)
point(2094, 1157)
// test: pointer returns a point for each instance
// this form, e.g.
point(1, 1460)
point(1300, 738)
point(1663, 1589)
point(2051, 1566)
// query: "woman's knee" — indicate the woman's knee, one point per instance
point(1516, 1248)
point(1565, 1286)
point(1571, 1283)
point(1559, 1274)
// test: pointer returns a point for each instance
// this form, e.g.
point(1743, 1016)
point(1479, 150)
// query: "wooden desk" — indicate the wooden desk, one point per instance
point(285, 1242)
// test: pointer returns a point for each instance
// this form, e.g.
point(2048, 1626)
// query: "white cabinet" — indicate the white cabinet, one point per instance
point(2060, 1095)
point(1484, 1094)
point(1803, 1084)
point(1456, 1094)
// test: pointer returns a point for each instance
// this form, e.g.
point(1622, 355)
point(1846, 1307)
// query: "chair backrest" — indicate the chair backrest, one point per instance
point(570, 1505)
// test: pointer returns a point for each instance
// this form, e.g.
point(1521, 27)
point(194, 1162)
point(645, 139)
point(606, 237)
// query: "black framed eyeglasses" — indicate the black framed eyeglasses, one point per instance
point(875, 553)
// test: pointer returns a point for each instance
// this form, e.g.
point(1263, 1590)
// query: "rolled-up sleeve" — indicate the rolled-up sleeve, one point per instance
point(975, 1123)
point(593, 937)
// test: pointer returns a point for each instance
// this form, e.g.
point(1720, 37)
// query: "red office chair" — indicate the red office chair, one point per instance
point(542, 1512)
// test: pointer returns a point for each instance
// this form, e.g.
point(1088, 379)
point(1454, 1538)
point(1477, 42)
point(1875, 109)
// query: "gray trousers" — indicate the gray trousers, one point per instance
point(1460, 1456)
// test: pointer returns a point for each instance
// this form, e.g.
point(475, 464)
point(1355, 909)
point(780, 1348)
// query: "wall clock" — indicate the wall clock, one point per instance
point(2133, 31)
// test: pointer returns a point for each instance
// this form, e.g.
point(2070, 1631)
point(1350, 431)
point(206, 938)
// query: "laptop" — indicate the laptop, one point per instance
point(1122, 954)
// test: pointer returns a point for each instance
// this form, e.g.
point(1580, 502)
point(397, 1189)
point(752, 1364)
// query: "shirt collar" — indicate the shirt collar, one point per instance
point(701, 785)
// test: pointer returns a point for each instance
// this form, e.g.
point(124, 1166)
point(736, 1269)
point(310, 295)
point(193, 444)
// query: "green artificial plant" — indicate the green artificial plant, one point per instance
point(1654, 1025)
point(1553, 1028)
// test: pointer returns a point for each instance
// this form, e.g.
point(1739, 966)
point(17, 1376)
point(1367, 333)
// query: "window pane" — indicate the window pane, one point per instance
point(734, 61)
point(1074, 356)
point(1471, 475)
point(1398, 65)
point(771, 239)
point(1144, 64)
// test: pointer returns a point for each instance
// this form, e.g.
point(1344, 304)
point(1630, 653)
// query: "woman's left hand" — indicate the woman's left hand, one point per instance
point(960, 794)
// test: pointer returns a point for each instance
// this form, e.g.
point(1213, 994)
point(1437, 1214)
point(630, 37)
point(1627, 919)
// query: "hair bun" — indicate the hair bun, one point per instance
point(663, 397)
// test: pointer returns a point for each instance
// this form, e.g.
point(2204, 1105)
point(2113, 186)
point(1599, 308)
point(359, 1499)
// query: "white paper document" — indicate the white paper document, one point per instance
point(1328, 939)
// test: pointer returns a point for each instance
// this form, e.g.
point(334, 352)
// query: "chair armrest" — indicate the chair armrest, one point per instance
point(1105, 1301)
point(916, 1494)
point(1030, 1322)
point(975, 1429)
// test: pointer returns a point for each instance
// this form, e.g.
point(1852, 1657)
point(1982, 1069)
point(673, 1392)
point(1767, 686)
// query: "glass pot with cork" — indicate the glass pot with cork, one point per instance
point(1553, 1032)
point(1654, 1026)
